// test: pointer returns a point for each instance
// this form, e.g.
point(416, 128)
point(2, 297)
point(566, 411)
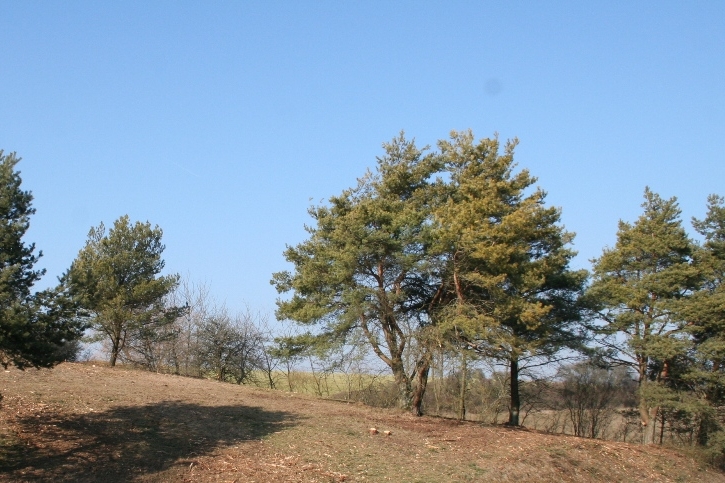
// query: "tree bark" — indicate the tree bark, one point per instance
point(462, 394)
point(515, 404)
point(115, 348)
point(648, 423)
point(114, 355)
point(421, 383)
point(402, 381)
point(405, 391)
point(649, 419)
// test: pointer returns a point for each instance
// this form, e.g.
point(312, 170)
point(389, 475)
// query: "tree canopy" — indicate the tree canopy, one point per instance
point(34, 327)
point(436, 242)
point(365, 266)
point(640, 285)
point(116, 278)
point(704, 367)
point(512, 295)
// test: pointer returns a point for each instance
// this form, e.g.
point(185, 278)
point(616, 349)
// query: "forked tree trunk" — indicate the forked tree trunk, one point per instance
point(648, 417)
point(115, 349)
point(114, 356)
point(118, 340)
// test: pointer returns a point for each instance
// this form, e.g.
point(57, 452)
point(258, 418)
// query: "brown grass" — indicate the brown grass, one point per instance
point(85, 423)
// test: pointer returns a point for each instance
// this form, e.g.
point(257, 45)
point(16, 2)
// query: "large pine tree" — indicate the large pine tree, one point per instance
point(365, 267)
point(641, 285)
point(510, 292)
point(430, 246)
point(705, 313)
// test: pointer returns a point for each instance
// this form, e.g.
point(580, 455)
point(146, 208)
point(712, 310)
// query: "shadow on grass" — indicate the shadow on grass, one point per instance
point(126, 442)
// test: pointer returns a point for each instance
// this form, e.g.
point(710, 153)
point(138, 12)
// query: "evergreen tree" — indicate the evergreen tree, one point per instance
point(707, 308)
point(34, 327)
point(365, 267)
point(115, 277)
point(509, 292)
point(641, 285)
point(705, 312)
point(468, 257)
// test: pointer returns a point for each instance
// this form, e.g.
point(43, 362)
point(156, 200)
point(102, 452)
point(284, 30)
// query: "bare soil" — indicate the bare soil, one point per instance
point(91, 423)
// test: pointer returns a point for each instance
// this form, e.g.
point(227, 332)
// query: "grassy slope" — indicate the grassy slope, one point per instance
point(82, 423)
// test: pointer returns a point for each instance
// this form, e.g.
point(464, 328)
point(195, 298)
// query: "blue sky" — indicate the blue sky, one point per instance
point(223, 121)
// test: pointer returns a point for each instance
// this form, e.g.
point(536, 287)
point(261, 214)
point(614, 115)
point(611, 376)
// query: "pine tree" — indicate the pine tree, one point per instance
point(34, 327)
point(705, 313)
point(641, 285)
point(116, 278)
point(364, 267)
point(438, 246)
point(510, 294)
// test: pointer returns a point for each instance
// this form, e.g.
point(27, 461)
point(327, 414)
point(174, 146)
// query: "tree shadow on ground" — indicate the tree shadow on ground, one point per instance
point(128, 442)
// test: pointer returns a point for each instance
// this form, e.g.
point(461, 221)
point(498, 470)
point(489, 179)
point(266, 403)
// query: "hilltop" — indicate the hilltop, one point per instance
point(91, 423)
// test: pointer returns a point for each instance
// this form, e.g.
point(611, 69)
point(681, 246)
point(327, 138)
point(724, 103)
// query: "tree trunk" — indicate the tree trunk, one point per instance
point(646, 419)
point(515, 404)
point(403, 383)
point(289, 375)
point(462, 394)
point(269, 378)
point(115, 349)
point(649, 419)
point(405, 394)
point(422, 370)
point(114, 356)
point(118, 335)
point(438, 379)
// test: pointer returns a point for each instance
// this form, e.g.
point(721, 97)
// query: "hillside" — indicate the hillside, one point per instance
point(85, 423)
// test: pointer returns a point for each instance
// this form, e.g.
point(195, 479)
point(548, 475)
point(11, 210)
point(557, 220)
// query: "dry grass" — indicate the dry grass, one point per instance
point(84, 423)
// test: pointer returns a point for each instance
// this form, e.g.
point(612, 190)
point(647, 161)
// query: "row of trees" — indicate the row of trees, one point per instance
point(454, 248)
point(449, 253)
point(115, 288)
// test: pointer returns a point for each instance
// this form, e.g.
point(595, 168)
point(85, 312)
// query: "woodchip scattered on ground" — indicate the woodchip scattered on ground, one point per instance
point(91, 423)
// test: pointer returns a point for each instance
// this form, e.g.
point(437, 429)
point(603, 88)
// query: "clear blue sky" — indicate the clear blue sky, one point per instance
point(223, 121)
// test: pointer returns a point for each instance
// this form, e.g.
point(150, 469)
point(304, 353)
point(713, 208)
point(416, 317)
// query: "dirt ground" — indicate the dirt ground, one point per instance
point(86, 423)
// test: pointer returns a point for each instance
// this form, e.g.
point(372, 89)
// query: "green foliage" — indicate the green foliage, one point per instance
point(365, 266)
point(640, 281)
point(34, 327)
point(704, 373)
point(512, 295)
point(115, 277)
point(641, 286)
point(444, 241)
point(643, 280)
point(706, 310)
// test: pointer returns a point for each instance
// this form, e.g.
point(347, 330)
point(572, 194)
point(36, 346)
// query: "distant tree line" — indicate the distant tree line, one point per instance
point(449, 269)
